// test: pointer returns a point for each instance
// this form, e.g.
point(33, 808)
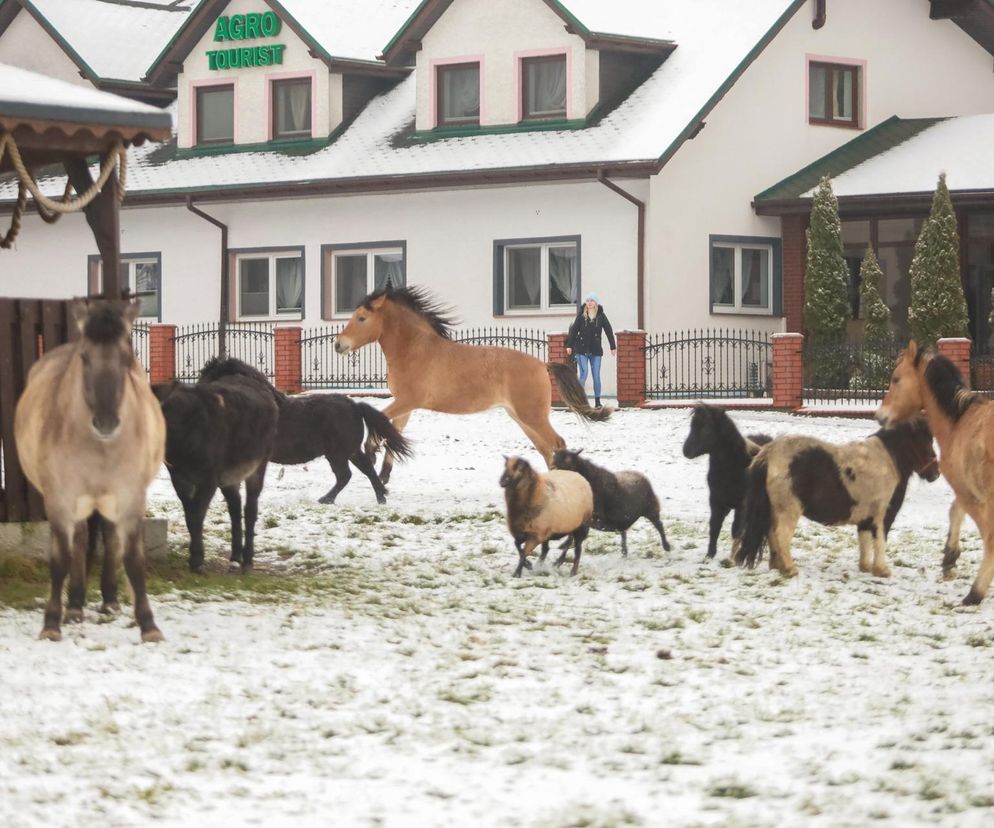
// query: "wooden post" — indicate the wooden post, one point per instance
point(104, 220)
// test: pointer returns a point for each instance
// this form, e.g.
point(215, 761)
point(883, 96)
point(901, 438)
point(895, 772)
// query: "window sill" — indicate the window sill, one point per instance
point(274, 319)
point(537, 314)
point(837, 124)
point(720, 311)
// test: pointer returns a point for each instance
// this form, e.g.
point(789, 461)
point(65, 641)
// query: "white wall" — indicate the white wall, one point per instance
point(493, 32)
point(758, 134)
point(27, 45)
point(252, 116)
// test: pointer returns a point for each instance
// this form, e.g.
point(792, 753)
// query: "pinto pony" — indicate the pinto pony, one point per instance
point(426, 369)
point(862, 483)
point(963, 424)
point(90, 437)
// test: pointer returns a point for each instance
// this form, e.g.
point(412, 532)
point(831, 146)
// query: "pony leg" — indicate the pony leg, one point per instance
point(233, 497)
point(718, 514)
point(880, 567)
point(108, 573)
point(253, 488)
point(129, 535)
point(951, 553)
point(542, 435)
point(781, 534)
point(578, 538)
point(865, 538)
point(986, 572)
point(194, 511)
point(59, 556)
point(658, 523)
point(363, 463)
point(624, 544)
point(342, 473)
point(77, 574)
point(523, 553)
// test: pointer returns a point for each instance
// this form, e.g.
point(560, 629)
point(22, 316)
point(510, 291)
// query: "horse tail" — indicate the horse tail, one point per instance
point(757, 514)
point(573, 394)
point(380, 428)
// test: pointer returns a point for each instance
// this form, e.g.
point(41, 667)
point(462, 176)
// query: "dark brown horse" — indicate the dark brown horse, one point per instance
point(426, 369)
point(90, 437)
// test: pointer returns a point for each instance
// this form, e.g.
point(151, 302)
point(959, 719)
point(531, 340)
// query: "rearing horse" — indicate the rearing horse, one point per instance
point(426, 369)
point(91, 437)
point(963, 425)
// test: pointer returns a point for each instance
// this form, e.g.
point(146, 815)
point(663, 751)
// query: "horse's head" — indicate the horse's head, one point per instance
point(566, 460)
point(704, 424)
point(516, 470)
point(905, 395)
point(365, 325)
point(926, 461)
point(106, 357)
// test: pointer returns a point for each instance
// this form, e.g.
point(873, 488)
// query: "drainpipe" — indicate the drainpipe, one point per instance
point(819, 20)
point(640, 267)
point(222, 324)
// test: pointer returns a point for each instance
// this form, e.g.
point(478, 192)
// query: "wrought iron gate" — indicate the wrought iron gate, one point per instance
point(710, 363)
point(251, 342)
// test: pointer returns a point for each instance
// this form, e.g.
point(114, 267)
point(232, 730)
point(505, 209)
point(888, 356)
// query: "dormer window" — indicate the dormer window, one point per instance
point(291, 108)
point(216, 114)
point(833, 94)
point(458, 91)
point(543, 87)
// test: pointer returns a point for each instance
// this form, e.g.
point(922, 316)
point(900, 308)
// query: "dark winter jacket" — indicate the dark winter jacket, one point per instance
point(585, 334)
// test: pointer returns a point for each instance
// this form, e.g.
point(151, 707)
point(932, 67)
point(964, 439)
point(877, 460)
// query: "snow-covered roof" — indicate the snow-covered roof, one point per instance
point(959, 147)
point(629, 18)
point(715, 39)
point(115, 41)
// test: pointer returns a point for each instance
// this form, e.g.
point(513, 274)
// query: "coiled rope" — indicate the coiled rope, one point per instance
point(51, 210)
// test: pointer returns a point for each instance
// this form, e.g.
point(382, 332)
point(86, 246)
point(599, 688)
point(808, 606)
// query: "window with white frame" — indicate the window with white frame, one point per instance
point(833, 94)
point(539, 275)
point(458, 94)
point(215, 114)
point(140, 275)
point(354, 271)
point(543, 87)
point(270, 284)
point(743, 276)
point(291, 108)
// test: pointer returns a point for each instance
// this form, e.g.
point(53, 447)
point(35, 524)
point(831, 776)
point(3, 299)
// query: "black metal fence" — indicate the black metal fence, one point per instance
point(848, 372)
point(139, 341)
point(251, 342)
point(366, 368)
point(708, 363)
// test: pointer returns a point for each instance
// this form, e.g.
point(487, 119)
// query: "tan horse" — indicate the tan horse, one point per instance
point(963, 425)
point(426, 369)
point(90, 436)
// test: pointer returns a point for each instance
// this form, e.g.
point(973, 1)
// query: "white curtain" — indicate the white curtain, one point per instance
point(562, 276)
point(547, 87)
point(289, 285)
point(816, 92)
point(524, 277)
point(461, 93)
point(388, 267)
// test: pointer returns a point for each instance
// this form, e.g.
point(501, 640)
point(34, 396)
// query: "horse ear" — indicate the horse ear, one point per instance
point(131, 311)
point(377, 303)
point(80, 312)
point(913, 350)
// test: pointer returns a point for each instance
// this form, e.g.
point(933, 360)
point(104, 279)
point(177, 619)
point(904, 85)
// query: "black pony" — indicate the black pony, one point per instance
point(619, 499)
point(713, 432)
point(219, 432)
point(329, 425)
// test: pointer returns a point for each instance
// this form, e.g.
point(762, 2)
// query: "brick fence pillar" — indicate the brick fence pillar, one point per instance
point(288, 371)
point(631, 368)
point(557, 353)
point(161, 353)
point(957, 350)
point(788, 370)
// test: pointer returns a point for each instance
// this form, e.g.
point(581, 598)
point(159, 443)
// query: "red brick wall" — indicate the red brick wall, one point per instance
point(794, 255)
point(161, 353)
point(557, 353)
point(788, 370)
point(957, 349)
point(631, 368)
point(288, 370)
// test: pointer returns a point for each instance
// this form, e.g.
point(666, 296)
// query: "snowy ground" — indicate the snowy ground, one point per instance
point(419, 684)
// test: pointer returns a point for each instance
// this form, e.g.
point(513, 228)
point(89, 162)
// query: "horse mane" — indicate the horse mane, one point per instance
point(216, 368)
point(104, 324)
point(946, 384)
point(420, 301)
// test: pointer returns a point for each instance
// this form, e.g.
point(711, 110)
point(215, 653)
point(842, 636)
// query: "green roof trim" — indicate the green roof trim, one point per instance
point(294, 146)
point(441, 133)
point(407, 23)
point(74, 56)
point(881, 138)
point(572, 18)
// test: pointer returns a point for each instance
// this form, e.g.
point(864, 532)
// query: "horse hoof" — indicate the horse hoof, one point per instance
point(326, 500)
point(197, 568)
point(110, 609)
point(152, 636)
point(50, 635)
point(667, 547)
point(789, 572)
point(73, 616)
point(881, 571)
point(973, 597)
point(246, 568)
point(950, 574)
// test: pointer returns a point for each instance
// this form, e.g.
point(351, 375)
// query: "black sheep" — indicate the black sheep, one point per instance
point(619, 499)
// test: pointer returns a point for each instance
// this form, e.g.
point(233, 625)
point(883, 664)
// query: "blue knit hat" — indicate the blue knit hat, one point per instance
point(590, 296)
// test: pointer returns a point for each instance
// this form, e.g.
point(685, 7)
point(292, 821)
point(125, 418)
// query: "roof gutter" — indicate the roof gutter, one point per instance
point(640, 255)
point(820, 14)
point(222, 323)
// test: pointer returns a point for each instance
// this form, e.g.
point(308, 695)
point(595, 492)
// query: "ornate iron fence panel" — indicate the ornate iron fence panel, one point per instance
point(139, 342)
point(251, 342)
point(710, 363)
point(847, 372)
point(982, 372)
point(322, 367)
point(533, 342)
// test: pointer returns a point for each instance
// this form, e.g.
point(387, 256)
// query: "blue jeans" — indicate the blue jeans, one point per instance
point(593, 363)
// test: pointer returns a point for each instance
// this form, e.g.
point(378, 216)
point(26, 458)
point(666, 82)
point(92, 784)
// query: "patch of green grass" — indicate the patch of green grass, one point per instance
point(22, 581)
point(732, 790)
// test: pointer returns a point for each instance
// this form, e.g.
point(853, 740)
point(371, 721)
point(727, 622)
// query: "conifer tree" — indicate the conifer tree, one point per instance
point(938, 307)
point(826, 280)
point(875, 311)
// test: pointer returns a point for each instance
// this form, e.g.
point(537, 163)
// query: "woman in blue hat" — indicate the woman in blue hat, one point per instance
point(584, 340)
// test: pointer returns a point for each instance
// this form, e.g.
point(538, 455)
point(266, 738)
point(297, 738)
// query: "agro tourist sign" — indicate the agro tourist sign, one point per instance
point(246, 27)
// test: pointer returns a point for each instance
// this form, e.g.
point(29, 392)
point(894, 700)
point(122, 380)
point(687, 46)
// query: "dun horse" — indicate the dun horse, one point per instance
point(426, 369)
point(963, 424)
point(90, 437)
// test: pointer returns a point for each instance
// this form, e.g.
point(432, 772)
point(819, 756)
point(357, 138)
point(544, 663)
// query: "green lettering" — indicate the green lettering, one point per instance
point(234, 58)
point(221, 58)
point(278, 53)
point(248, 57)
point(252, 26)
point(265, 56)
point(212, 60)
point(271, 25)
point(221, 29)
point(237, 27)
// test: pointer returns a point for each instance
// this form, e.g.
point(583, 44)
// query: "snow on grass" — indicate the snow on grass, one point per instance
point(383, 668)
